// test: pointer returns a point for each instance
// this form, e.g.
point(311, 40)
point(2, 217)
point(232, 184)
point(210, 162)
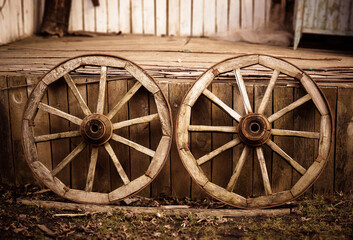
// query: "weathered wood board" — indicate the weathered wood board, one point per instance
point(176, 66)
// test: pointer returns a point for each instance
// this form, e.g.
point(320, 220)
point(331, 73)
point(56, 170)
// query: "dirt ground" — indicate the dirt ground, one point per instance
point(314, 218)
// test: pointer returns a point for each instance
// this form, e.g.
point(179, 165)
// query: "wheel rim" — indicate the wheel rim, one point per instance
point(96, 127)
point(254, 131)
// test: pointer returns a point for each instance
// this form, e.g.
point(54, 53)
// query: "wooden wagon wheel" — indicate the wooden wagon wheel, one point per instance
point(96, 128)
point(253, 130)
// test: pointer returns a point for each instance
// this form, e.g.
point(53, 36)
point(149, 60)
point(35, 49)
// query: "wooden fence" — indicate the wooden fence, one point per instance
point(19, 19)
point(169, 17)
point(174, 179)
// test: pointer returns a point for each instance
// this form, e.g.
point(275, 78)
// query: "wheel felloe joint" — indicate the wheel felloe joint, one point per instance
point(254, 129)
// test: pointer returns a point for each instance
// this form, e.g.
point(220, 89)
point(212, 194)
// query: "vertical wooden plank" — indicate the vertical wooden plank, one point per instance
point(116, 91)
point(268, 12)
point(148, 17)
point(102, 175)
point(325, 184)
point(101, 17)
point(344, 146)
point(161, 17)
point(17, 102)
point(320, 14)
point(76, 16)
point(344, 12)
point(173, 17)
point(15, 19)
point(201, 141)
point(244, 183)
point(209, 17)
point(113, 16)
point(332, 15)
point(161, 184)
point(309, 13)
point(38, 14)
point(79, 165)
point(124, 16)
point(350, 25)
point(179, 176)
point(136, 16)
point(28, 18)
point(281, 170)
point(197, 18)
point(57, 96)
point(304, 120)
point(138, 107)
point(259, 14)
point(185, 17)
point(234, 15)
point(5, 34)
point(222, 164)
point(89, 23)
point(7, 171)
point(246, 14)
point(258, 185)
point(41, 127)
point(222, 16)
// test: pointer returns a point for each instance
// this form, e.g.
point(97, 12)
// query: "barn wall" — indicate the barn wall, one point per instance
point(169, 17)
point(19, 19)
point(174, 179)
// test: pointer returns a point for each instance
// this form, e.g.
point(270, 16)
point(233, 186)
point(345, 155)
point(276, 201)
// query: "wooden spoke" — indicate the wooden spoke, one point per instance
point(48, 137)
point(102, 87)
point(286, 157)
point(234, 178)
point(69, 158)
point(124, 100)
point(116, 162)
point(203, 128)
point(242, 90)
point(59, 113)
point(77, 94)
point(144, 119)
point(292, 133)
point(134, 145)
point(265, 178)
point(218, 151)
point(289, 108)
point(92, 169)
point(222, 105)
point(268, 92)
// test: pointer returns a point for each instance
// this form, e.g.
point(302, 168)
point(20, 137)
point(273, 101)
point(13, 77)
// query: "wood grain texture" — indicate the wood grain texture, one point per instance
point(281, 170)
point(139, 106)
point(344, 148)
point(7, 171)
point(221, 165)
point(116, 91)
point(324, 184)
point(17, 101)
point(162, 182)
point(200, 142)
point(161, 17)
point(180, 179)
point(304, 120)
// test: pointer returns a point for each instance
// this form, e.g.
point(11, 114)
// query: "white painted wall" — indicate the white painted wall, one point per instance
point(21, 18)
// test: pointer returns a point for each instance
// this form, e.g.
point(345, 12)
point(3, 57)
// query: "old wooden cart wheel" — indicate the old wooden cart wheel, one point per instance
point(253, 130)
point(94, 127)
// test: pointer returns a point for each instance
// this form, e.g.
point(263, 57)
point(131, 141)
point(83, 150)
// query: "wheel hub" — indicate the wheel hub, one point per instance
point(254, 129)
point(96, 129)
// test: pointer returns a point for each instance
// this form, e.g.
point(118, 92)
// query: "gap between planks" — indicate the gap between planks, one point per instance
point(164, 210)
